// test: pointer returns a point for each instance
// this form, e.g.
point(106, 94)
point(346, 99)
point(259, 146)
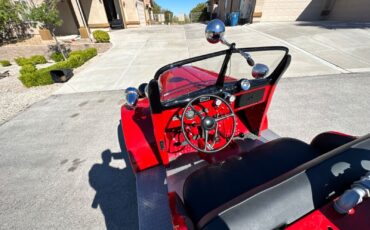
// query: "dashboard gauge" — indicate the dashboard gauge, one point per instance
point(218, 102)
point(245, 84)
point(190, 114)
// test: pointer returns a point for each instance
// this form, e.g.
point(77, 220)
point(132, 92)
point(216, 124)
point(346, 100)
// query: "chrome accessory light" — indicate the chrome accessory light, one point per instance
point(132, 96)
point(232, 98)
point(260, 71)
point(245, 84)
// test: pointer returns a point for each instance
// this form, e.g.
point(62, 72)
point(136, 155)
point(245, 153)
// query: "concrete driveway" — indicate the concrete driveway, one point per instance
point(316, 48)
point(62, 161)
point(52, 171)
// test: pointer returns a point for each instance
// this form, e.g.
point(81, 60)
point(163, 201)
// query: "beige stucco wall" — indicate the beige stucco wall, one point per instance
point(95, 13)
point(291, 10)
point(351, 10)
point(259, 5)
point(310, 10)
point(131, 16)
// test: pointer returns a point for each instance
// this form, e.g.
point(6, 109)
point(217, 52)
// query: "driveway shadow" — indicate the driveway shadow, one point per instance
point(115, 189)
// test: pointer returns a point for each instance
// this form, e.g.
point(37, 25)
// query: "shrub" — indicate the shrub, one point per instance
point(57, 56)
point(27, 69)
point(30, 76)
point(5, 63)
point(44, 77)
point(91, 52)
point(21, 61)
point(75, 61)
point(38, 59)
point(101, 36)
point(29, 79)
point(86, 54)
point(34, 60)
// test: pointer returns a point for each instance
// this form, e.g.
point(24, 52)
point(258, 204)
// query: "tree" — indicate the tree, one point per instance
point(10, 19)
point(199, 12)
point(47, 15)
point(156, 8)
point(168, 16)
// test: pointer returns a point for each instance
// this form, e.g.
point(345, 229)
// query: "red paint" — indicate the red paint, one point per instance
point(137, 131)
point(326, 217)
point(178, 221)
point(342, 134)
point(153, 139)
point(183, 80)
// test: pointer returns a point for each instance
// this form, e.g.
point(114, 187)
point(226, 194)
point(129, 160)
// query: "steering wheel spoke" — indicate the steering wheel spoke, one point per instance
point(196, 111)
point(224, 117)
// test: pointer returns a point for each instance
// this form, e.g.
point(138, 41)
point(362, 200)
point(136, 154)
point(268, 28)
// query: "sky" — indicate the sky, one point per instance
point(179, 6)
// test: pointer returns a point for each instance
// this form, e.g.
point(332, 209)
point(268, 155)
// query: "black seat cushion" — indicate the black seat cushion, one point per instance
point(212, 186)
point(287, 198)
point(327, 141)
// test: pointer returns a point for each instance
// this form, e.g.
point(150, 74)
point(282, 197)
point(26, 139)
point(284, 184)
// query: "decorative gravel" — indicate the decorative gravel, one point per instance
point(14, 97)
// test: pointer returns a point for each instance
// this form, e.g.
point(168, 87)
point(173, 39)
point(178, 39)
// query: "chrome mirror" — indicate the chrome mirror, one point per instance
point(132, 96)
point(215, 31)
point(260, 71)
point(143, 90)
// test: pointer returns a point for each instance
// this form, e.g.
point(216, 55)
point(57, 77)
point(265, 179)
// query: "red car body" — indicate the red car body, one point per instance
point(154, 139)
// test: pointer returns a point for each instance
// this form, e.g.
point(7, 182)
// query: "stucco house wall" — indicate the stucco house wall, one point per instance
point(350, 10)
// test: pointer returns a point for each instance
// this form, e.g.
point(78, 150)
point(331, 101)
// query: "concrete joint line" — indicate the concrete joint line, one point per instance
point(129, 64)
point(324, 62)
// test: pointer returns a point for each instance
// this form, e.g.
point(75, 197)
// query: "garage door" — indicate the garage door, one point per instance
point(141, 12)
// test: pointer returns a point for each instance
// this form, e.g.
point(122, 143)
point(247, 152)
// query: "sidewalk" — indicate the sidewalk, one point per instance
point(316, 49)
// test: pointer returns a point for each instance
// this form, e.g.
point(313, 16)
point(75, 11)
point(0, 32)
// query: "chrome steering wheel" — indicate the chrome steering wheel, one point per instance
point(208, 123)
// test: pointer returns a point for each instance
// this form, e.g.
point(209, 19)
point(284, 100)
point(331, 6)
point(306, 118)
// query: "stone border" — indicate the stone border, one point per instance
point(11, 52)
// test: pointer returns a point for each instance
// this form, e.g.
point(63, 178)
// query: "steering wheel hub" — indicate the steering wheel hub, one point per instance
point(208, 123)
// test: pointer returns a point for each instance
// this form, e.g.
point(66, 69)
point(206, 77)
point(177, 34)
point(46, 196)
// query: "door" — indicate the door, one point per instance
point(141, 12)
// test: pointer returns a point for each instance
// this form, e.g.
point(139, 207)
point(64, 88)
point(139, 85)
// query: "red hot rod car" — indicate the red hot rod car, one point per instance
point(204, 158)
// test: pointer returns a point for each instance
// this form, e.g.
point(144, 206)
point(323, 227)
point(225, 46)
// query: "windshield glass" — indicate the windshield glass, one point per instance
point(197, 75)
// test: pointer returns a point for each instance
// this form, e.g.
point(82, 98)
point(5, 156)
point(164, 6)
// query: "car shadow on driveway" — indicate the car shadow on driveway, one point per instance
point(115, 189)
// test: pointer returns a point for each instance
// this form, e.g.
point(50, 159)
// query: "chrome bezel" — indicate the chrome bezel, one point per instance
point(245, 84)
point(131, 96)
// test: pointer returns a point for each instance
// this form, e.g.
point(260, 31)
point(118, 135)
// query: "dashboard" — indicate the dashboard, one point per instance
point(239, 96)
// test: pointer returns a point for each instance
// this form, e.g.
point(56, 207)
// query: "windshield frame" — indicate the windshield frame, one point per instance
point(154, 96)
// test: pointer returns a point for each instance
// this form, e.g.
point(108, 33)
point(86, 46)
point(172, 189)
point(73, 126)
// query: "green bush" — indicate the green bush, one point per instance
point(34, 60)
point(29, 79)
point(21, 61)
point(86, 54)
point(38, 59)
point(27, 69)
point(91, 52)
point(30, 76)
point(36, 78)
point(44, 77)
point(101, 36)
point(75, 61)
point(5, 63)
point(57, 57)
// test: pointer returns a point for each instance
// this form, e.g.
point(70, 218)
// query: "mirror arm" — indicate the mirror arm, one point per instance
point(246, 55)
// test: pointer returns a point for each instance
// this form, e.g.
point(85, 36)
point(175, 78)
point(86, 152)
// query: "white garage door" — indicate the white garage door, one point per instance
point(141, 12)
